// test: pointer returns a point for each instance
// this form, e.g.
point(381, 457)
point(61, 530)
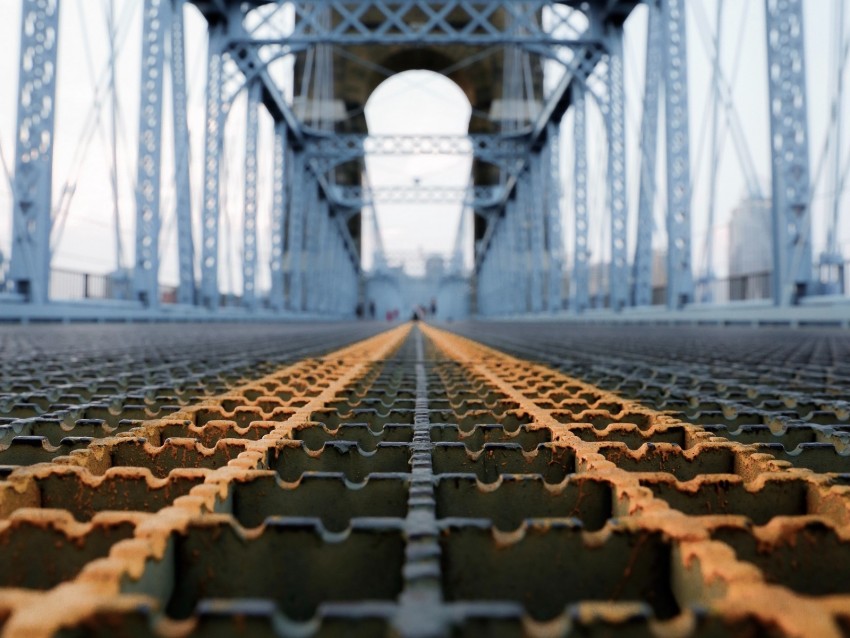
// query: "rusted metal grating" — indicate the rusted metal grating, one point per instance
point(421, 484)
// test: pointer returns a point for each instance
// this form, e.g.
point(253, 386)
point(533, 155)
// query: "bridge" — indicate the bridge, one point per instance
point(617, 402)
point(534, 73)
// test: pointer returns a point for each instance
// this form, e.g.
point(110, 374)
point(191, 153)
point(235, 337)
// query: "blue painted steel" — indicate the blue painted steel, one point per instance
point(146, 272)
point(186, 291)
point(29, 267)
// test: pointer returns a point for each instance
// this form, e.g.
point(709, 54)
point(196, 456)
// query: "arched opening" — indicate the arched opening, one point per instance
point(419, 236)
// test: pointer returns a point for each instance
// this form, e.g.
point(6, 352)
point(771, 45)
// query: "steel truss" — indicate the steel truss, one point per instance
point(355, 198)
point(29, 269)
point(313, 254)
point(340, 148)
point(397, 22)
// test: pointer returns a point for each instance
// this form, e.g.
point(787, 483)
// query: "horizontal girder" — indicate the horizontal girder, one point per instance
point(469, 22)
point(356, 197)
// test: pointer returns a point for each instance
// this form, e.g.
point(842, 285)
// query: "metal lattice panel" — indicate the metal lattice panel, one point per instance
point(393, 22)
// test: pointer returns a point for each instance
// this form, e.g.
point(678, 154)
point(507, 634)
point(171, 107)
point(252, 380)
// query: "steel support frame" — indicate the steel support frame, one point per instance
point(277, 298)
point(310, 256)
point(356, 197)
point(535, 220)
point(295, 232)
point(792, 246)
point(249, 220)
point(186, 291)
point(617, 197)
point(642, 270)
point(340, 148)
point(580, 284)
point(680, 284)
point(343, 22)
point(519, 248)
point(29, 267)
point(554, 239)
point(155, 20)
point(213, 144)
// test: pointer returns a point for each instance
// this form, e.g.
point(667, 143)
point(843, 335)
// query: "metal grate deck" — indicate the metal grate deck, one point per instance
point(417, 483)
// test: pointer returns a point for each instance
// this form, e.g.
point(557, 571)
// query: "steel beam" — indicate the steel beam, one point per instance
point(295, 233)
point(357, 197)
point(792, 245)
point(309, 259)
point(649, 149)
point(440, 22)
point(146, 272)
point(29, 267)
point(213, 142)
point(535, 220)
point(616, 121)
point(186, 292)
point(339, 148)
point(580, 284)
point(680, 284)
point(277, 293)
point(554, 239)
point(249, 222)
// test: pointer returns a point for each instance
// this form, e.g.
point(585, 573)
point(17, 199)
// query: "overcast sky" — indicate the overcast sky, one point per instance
point(414, 102)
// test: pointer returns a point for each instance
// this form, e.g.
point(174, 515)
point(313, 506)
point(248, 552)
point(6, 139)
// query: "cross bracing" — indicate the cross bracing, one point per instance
point(524, 65)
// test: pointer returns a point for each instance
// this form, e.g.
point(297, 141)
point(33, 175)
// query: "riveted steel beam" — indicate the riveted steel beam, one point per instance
point(792, 244)
point(680, 284)
point(642, 269)
point(249, 220)
point(186, 292)
point(279, 186)
point(29, 268)
point(145, 276)
point(580, 285)
point(213, 141)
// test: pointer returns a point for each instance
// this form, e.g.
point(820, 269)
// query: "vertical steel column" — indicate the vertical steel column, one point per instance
point(618, 285)
point(325, 249)
point(503, 266)
point(249, 222)
point(314, 262)
point(792, 244)
point(580, 284)
point(186, 292)
point(519, 250)
point(335, 271)
point(29, 266)
point(553, 217)
point(680, 284)
point(276, 295)
point(648, 153)
point(295, 234)
point(308, 258)
point(146, 274)
point(535, 217)
point(213, 141)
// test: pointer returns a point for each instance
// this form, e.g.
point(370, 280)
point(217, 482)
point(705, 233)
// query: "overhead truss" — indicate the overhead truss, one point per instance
point(438, 22)
point(327, 152)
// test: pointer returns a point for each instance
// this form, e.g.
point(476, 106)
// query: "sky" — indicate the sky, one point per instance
point(413, 102)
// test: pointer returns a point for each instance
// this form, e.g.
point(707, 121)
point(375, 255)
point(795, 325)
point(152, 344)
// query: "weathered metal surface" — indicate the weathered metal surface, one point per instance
point(418, 483)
